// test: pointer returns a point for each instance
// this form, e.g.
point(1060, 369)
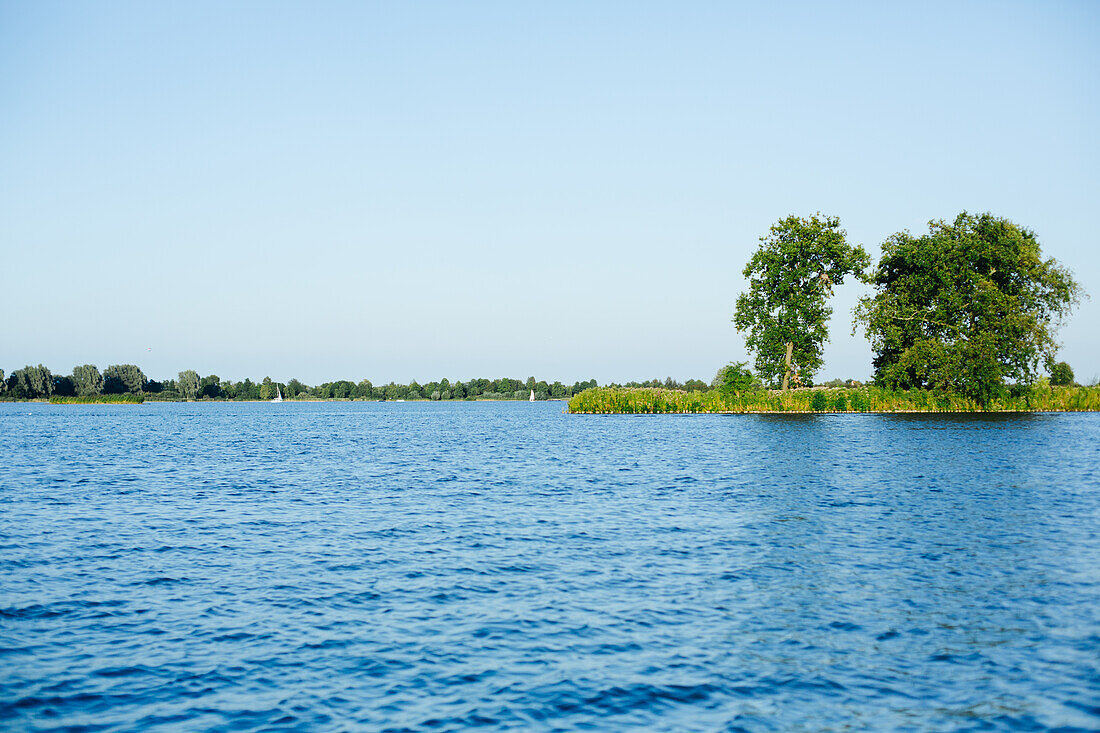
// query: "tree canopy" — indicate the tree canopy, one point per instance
point(119, 378)
point(791, 275)
point(965, 308)
point(87, 380)
point(188, 384)
point(30, 382)
point(1061, 374)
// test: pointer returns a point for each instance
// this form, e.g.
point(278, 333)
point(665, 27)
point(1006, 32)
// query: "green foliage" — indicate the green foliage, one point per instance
point(858, 400)
point(610, 400)
point(790, 276)
point(98, 399)
point(736, 377)
point(30, 382)
point(210, 387)
point(342, 389)
point(63, 386)
point(87, 380)
point(965, 308)
point(188, 384)
point(1061, 375)
point(119, 378)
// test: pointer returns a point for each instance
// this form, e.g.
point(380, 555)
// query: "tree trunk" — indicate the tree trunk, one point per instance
point(787, 373)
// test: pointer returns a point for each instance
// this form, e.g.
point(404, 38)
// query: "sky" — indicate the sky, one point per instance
point(399, 191)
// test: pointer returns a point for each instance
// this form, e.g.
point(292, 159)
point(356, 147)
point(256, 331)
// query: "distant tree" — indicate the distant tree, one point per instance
point(31, 382)
point(42, 381)
point(343, 389)
point(364, 389)
point(188, 384)
point(965, 308)
point(3, 383)
point(1061, 375)
point(87, 380)
point(267, 389)
point(119, 378)
point(210, 386)
point(579, 387)
point(791, 274)
point(15, 385)
point(63, 386)
point(247, 390)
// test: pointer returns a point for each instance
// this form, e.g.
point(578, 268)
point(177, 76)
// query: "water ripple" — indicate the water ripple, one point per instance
point(442, 567)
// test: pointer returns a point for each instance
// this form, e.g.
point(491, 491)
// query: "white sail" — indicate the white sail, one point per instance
point(532, 399)
point(278, 394)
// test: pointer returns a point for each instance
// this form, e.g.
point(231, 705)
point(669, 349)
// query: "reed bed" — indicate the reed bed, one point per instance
point(653, 401)
point(99, 399)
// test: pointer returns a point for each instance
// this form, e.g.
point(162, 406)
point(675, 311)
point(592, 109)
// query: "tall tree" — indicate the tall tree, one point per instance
point(966, 307)
point(791, 274)
point(188, 384)
point(31, 382)
point(211, 386)
point(63, 386)
point(123, 378)
point(87, 380)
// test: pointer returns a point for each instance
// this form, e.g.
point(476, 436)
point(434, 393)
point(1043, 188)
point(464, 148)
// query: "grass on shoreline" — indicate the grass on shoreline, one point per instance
point(649, 401)
point(99, 399)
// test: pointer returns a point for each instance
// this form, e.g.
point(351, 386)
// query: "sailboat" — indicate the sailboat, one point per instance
point(532, 398)
point(278, 394)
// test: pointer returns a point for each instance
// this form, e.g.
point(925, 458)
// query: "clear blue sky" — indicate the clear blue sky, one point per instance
point(416, 190)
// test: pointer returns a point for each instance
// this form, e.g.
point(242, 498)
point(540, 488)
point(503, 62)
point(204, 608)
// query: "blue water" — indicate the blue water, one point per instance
point(505, 566)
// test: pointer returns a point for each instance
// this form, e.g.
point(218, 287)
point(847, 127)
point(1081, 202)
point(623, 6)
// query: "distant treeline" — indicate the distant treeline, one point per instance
point(37, 382)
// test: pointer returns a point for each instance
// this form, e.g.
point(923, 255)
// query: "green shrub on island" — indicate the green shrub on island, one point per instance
point(737, 377)
point(98, 399)
point(649, 401)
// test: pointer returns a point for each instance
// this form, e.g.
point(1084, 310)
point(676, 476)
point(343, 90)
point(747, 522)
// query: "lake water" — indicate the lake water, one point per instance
point(503, 565)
